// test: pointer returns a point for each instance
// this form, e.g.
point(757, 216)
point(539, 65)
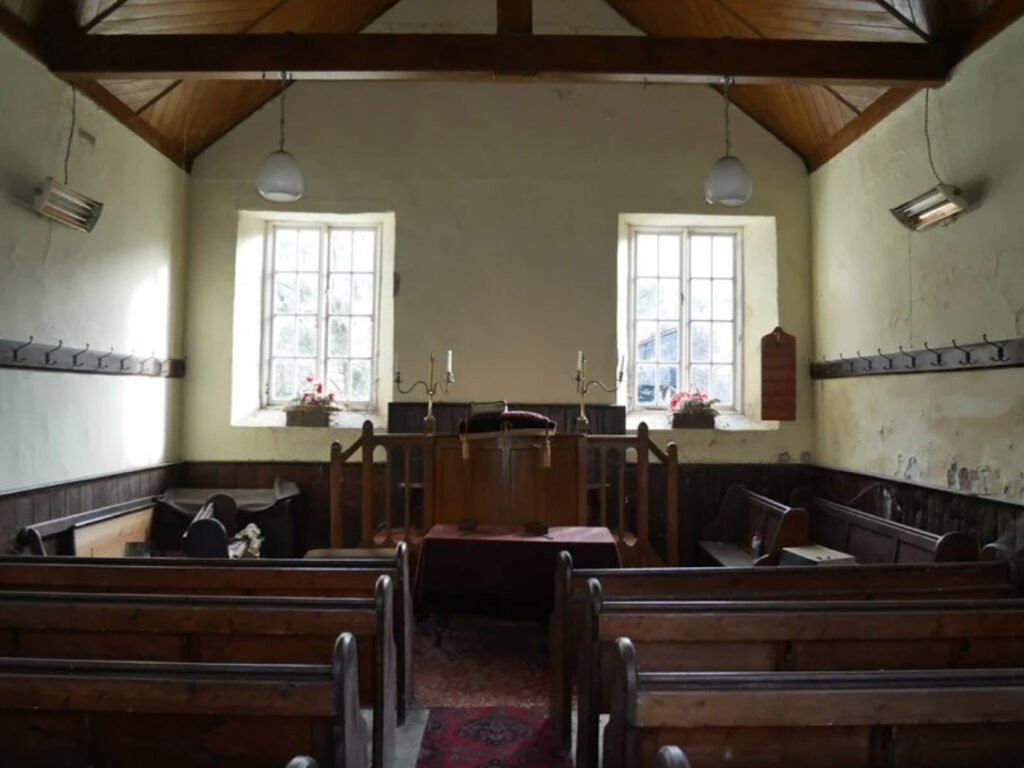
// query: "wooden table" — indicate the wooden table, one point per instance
point(502, 569)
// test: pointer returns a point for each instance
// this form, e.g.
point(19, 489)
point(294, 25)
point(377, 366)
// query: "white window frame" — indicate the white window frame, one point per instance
point(684, 232)
point(323, 316)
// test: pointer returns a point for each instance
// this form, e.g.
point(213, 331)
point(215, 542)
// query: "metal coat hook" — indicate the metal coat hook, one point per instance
point(60, 343)
point(967, 353)
point(913, 358)
point(1001, 356)
point(889, 358)
point(938, 356)
point(101, 358)
point(125, 359)
point(147, 361)
point(74, 357)
point(866, 360)
point(848, 362)
point(18, 349)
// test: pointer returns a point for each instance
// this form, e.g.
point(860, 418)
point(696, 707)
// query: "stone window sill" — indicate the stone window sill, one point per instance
point(275, 417)
point(661, 423)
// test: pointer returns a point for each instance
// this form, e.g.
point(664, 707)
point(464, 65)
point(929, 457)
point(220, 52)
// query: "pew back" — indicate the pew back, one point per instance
point(212, 629)
point(904, 719)
point(790, 635)
point(726, 540)
point(119, 713)
point(354, 576)
point(872, 539)
point(873, 582)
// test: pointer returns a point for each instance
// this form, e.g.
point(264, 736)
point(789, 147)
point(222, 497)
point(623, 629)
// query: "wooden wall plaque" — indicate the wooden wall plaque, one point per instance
point(778, 376)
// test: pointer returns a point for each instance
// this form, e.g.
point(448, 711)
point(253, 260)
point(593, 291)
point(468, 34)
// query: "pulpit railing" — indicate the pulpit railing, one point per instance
point(400, 475)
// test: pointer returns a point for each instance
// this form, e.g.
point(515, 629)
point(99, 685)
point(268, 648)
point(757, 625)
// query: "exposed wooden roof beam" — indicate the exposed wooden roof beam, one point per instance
point(910, 24)
point(17, 30)
point(558, 57)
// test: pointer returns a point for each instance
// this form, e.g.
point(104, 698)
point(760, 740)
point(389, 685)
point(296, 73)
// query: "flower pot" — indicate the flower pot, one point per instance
point(693, 421)
point(307, 417)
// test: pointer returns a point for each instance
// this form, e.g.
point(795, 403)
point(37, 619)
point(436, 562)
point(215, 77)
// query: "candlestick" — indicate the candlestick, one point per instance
point(582, 385)
point(431, 386)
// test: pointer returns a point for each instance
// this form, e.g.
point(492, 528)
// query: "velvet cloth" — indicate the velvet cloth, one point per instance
point(498, 569)
point(495, 422)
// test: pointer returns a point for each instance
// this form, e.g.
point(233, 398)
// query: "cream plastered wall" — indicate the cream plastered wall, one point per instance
point(876, 284)
point(507, 200)
point(119, 286)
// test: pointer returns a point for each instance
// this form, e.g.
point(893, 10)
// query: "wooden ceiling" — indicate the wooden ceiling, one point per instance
point(182, 118)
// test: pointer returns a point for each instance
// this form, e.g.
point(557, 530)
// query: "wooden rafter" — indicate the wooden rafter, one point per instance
point(911, 24)
point(572, 57)
point(102, 15)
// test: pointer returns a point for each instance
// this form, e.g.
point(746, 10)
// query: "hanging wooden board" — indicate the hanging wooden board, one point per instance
point(778, 376)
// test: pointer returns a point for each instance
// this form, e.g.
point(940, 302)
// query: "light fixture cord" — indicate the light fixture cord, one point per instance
point(71, 132)
point(928, 138)
point(284, 91)
point(726, 82)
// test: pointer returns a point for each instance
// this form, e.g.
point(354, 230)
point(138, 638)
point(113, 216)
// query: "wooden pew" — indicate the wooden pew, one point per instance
point(898, 719)
point(727, 538)
point(211, 715)
point(871, 582)
point(212, 628)
point(354, 576)
point(873, 539)
point(789, 635)
point(99, 532)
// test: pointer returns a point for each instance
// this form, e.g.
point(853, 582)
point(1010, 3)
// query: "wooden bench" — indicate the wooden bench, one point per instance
point(873, 539)
point(789, 635)
point(902, 719)
point(95, 533)
point(212, 628)
point(211, 715)
point(726, 540)
point(355, 576)
point(870, 582)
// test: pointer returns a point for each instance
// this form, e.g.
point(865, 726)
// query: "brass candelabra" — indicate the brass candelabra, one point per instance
point(582, 385)
point(431, 386)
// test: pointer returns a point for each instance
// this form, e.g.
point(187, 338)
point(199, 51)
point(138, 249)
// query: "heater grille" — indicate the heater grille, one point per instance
point(939, 205)
point(58, 202)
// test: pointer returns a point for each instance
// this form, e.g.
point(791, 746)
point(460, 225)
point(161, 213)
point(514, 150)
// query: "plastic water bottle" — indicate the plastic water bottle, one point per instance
point(755, 544)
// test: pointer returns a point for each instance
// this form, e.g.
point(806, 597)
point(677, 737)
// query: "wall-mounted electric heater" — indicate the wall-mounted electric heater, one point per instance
point(940, 205)
point(56, 201)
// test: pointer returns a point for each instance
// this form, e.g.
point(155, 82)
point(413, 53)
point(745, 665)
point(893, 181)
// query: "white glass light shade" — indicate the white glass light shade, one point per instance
point(280, 178)
point(728, 183)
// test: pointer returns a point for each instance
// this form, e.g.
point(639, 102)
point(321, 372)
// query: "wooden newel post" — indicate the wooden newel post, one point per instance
point(643, 459)
point(672, 505)
point(366, 508)
point(336, 477)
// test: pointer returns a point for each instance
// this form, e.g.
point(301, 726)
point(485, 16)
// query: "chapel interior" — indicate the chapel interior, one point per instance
point(593, 383)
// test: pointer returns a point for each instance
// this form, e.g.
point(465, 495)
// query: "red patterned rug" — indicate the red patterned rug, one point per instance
point(482, 662)
point(490, 737)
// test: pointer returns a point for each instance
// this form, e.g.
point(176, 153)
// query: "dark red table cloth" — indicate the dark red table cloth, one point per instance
point(494, 567)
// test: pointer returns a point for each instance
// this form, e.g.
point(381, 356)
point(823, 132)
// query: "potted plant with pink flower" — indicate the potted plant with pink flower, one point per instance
point(692, 410)
point(312, 407)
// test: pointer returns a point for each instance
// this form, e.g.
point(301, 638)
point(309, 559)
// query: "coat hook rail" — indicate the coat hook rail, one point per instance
point(1008, 353)
point(57, 357)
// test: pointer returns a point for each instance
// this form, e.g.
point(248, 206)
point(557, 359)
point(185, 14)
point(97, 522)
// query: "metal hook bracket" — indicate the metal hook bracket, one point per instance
point(1000, 355)
point(865, 359)
point(74, 357)
point(889, 359)
point(913, 358)
point(125, 359)
point(17, 358)
point(101, 358)
point(60, 343)
point(848, 362)
point(967, 353)
point(938, 356)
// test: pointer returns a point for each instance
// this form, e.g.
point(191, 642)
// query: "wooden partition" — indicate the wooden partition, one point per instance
point(509, 478)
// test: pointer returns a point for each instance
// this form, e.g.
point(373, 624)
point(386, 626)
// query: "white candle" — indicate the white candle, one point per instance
point(579, 361)
point(449, 362)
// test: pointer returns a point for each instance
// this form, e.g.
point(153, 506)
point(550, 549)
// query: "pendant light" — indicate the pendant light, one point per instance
point(728, 182)
point(280, 178)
